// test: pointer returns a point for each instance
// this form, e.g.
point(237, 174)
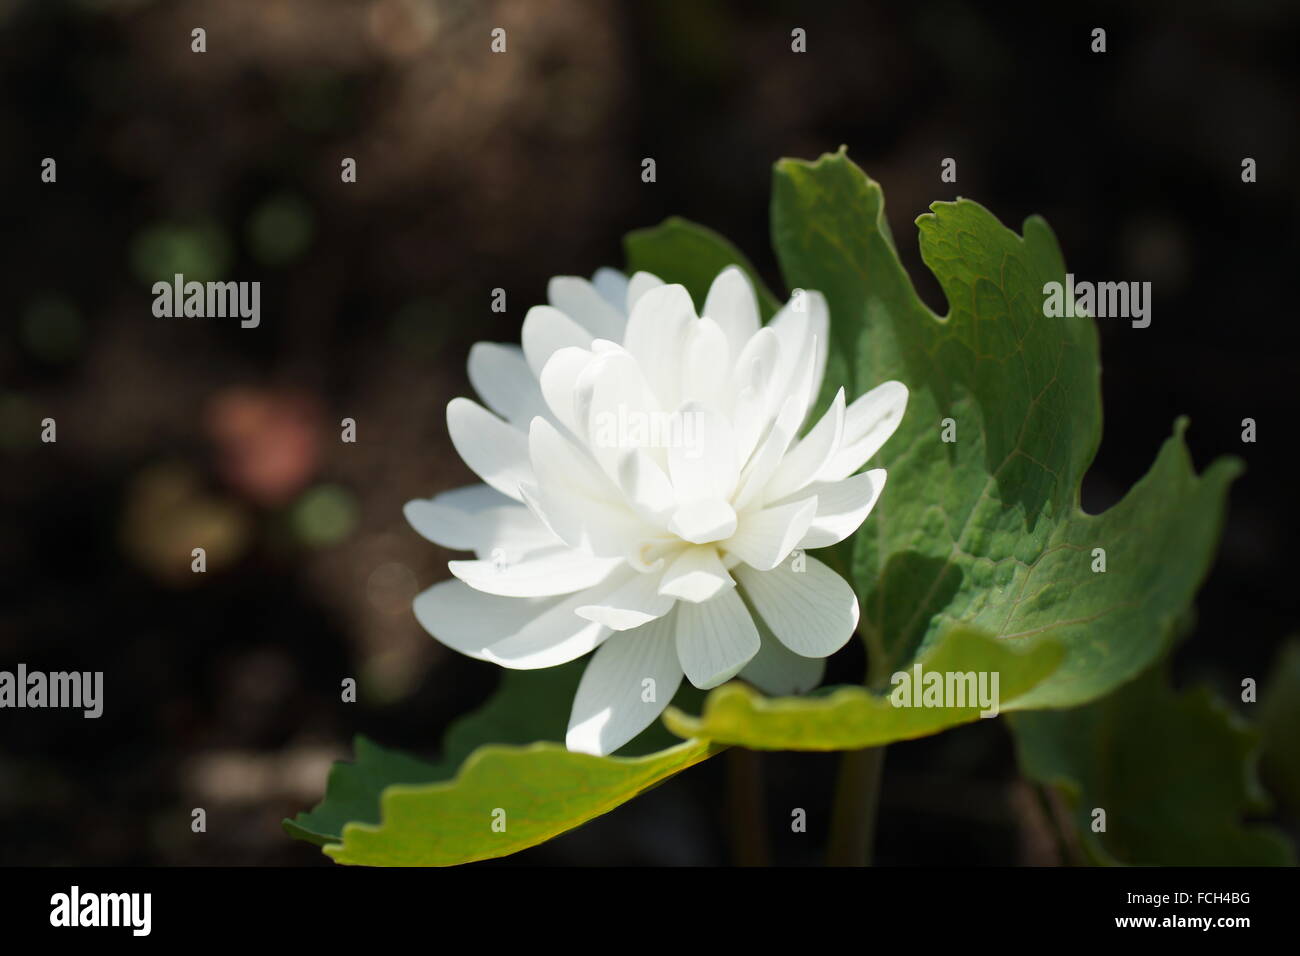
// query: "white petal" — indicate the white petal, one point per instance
point(812, 612)
point(604, 530)
point(510, 533)
point(732, 305)
point(704, 464)
point(547, 330)
point(576, 499)
point(639, 285)
point(696, 575)
point(704, 364)
point(472, 497)
point(494, 451)
point(561, 515)
point(646, 486)
point(804, 460)
point(610, 707)
point(621, 412)
point(578, 299)
point(503, 379)
point(442, 524)
point(804, 382)
point(803, 327)
point(558, 461)
point(776, 440)
point(519, 633)
point(751, 377)
point(715, 639)
point(656, 336)
point(777, 670)
point(767, 537)
point(821, 325)
point(868, 423)
point(559, 381)
point(561, 570)
point(767, 458)
point(632, 603)
point(757, 360)
point(703, 521)
point(842, 506)
point(612, 286)
point(507, 532)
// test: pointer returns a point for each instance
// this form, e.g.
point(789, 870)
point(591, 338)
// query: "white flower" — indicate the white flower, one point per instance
point(646, 497)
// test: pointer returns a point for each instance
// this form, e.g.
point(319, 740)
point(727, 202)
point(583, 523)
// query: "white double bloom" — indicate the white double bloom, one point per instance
point(663, 560)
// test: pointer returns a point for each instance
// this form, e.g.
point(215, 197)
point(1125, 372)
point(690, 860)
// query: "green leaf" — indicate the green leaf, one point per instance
point(538, 792)
point(353, 791)
point(1279, 719)
point(849, 718)
point(680, 251)
point(1175, 773)
point(527, 707)
point(987, 530)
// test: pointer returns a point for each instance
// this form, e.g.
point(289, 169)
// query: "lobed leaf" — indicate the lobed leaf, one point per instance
point(987, 530)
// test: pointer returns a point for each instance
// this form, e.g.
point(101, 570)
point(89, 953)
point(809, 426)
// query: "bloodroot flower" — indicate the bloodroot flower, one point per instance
point(646, 497)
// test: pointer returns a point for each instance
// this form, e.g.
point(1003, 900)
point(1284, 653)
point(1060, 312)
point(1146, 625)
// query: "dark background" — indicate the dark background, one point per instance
point(477, 171)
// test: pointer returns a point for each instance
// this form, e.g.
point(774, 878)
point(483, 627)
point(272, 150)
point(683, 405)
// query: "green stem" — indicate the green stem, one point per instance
point(873, 678)
point(853, 819)
point(749, 845)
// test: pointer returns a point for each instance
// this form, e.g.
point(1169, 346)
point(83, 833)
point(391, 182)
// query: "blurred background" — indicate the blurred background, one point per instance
point(478, 171)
